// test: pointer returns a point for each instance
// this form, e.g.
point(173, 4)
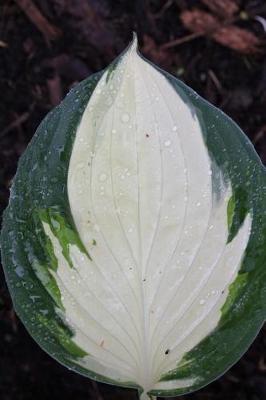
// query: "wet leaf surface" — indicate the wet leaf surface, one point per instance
point(27, 63)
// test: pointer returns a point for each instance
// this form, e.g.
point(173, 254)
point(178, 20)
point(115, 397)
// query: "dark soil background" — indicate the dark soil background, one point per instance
point(47, 46)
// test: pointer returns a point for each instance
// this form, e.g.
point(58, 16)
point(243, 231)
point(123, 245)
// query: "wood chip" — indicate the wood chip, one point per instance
point(17, 122)
point(222, 8)
point(3, 44)
point(199, 21)
point(96, 391)
point(155, 52)
point(262, 365)
point(55, 90)
point(49, 31)
point(239, 39)
point(260, 135)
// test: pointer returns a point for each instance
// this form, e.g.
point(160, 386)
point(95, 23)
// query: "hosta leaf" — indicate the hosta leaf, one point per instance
point(134, 240)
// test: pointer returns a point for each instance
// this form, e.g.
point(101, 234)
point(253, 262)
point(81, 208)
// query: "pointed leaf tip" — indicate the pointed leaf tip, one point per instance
point(134, 42)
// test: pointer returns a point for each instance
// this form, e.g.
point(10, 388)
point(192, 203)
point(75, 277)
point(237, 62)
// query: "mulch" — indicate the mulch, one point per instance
point(46, 46)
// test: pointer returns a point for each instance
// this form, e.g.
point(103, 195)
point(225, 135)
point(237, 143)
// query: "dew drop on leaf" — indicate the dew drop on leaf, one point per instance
point(102, 177)
point(125, 117)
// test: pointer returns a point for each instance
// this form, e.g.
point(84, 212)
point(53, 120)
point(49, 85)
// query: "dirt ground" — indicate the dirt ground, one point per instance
point(46, 47)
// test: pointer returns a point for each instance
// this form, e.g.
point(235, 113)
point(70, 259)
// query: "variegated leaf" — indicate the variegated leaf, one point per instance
point(134, 241)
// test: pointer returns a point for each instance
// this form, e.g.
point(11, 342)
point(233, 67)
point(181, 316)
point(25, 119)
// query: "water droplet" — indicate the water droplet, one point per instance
point(167, 143)
point(125, 117)
point(113, 130)
point(34, 298)
point(20, 271)
point(102, 177)
point(202, 302)
point(174, 128)
point(198, 204)
point(97, 228)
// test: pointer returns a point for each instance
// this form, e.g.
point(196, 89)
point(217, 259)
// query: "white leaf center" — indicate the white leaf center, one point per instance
point(143, 201)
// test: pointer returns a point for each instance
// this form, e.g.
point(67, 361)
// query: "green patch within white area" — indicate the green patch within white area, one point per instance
point(145, 205)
